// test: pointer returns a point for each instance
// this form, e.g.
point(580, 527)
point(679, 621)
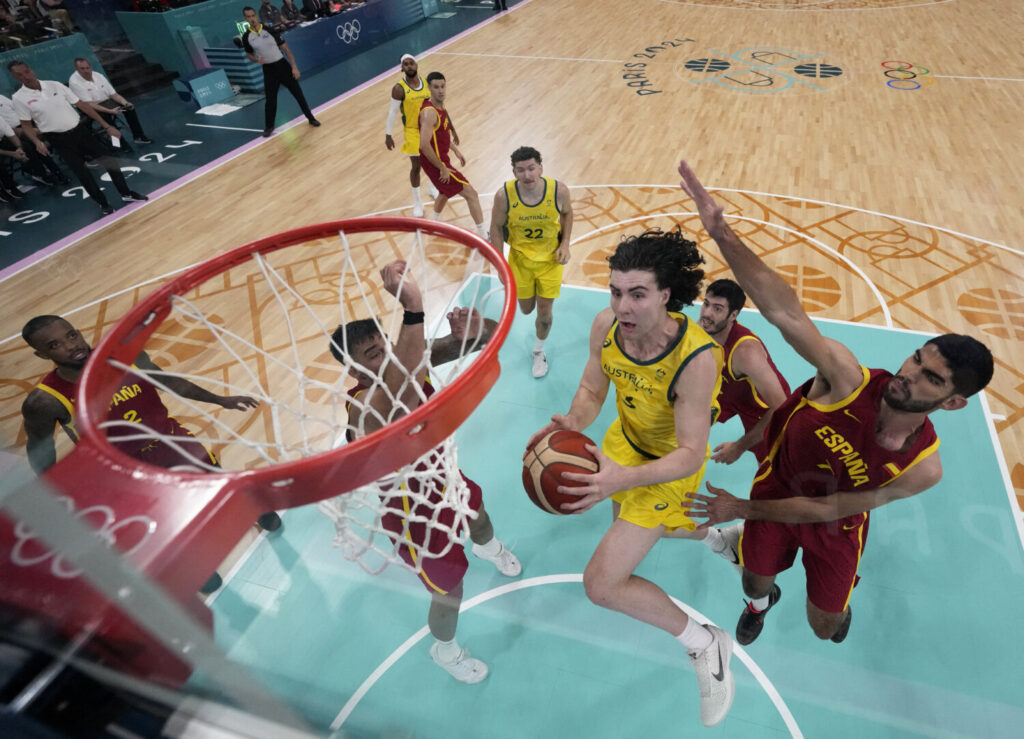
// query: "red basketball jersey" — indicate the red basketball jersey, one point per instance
point(410, 514)
point(738, 396)
point(817, 450)
point(441, 139)
point(136, 401)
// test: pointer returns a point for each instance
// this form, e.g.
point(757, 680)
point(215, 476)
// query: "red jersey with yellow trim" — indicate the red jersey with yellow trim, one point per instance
point(441, 139)
point(738, 396)
point(136, 401)
point(408, 522)
point(817, 450)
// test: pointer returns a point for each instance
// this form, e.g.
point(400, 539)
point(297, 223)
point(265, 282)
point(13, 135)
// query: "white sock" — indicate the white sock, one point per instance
point(434, 215)
point(434, 192)
point(416, 196)
point(759, 604)
point(448, 651)
point(695, 637)
point(492, 547)
point(481, 231)
point(715, 540)
point(538, 346)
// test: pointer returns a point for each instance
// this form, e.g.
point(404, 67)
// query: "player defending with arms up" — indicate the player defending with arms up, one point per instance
point(384, 392)
point(666, 371)
point(437, 139)
point(849, 440)
point(534, 214)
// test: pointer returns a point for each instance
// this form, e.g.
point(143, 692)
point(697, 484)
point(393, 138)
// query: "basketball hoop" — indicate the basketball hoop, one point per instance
point(184, 522)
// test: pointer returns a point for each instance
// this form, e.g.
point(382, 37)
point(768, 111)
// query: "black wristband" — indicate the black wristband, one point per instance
point(411, 318)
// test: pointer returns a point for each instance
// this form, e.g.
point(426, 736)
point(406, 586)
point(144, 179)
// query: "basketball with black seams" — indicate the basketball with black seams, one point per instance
point(559, 452)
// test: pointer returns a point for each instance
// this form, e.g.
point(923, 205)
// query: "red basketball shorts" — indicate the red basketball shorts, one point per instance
point(454, 184)
point(832, 552)
point(440, 573)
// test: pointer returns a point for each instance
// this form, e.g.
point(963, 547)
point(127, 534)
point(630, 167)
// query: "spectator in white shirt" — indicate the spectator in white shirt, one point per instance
point(43, 170)
point(95, 89)
point(49, 114)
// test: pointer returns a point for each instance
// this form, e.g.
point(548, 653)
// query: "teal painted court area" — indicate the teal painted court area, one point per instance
point(926, 655)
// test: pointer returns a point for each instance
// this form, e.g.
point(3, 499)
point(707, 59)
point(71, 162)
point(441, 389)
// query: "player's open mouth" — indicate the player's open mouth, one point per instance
point(79, 356)
point(627, 326)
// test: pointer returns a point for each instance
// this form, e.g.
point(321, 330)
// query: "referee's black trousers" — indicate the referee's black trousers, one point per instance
point(276, 74)
point(78, 143)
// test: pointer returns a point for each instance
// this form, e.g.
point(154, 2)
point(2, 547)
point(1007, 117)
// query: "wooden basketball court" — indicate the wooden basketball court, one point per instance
point(870, 150)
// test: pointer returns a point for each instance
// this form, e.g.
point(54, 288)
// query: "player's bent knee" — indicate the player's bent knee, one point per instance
point(599, 589)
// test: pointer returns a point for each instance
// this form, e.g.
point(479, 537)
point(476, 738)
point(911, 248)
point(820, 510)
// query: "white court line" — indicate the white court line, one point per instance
point(224, 128)
point(661, 185)
point(841, 257)
point(540, 58)
point(532, 582)
point(992, 79)
point(1018, 515)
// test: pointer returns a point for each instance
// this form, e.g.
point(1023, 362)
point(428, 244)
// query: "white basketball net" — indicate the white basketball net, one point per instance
point(263, 330)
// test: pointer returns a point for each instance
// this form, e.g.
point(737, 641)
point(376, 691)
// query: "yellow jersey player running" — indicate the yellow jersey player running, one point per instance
point(533, 213)
point(667, 372)
point(407, 98)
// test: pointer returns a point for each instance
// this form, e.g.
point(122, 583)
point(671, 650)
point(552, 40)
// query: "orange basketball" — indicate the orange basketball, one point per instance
point(559, 452)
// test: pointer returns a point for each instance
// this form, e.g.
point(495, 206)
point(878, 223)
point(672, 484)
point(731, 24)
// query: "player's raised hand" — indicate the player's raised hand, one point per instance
point(718, 506)
point(609, 479)
point(558, 421)
point(238, 402)
point(392, 276)
point(466, 323)
point(711, 213)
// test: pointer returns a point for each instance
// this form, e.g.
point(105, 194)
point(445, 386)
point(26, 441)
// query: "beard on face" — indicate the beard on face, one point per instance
point(712, 327)
point(75, 365)
point(907, 405)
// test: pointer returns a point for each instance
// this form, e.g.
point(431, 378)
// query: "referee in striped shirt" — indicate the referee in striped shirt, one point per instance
point(266, 47)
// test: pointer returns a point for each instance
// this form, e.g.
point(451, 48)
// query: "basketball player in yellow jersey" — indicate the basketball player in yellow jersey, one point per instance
point(407, 97)
point(533, 214)
point(667, 372)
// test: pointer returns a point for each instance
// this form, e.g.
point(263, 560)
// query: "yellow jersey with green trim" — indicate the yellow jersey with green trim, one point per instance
point(533, 230)
point(644, 392)
point(411, 104)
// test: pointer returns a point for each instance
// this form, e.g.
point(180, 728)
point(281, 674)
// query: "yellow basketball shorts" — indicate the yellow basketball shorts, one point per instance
point(664, 504)
point(412, 142)
point(543, 279)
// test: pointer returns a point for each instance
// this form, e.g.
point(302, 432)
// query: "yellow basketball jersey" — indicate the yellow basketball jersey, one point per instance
point(643, 390)
point(533, 230)
point(412, 102)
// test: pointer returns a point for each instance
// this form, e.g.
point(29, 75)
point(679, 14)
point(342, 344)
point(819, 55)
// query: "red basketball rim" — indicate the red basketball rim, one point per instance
point(301, 481)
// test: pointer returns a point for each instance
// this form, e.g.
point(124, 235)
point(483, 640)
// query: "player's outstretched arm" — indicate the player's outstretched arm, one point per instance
point(187, 389)
point(593, 389)
point(773, 296)
point(719, 506)
point(41, 412)
point(411, 343)
point(564, 202)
